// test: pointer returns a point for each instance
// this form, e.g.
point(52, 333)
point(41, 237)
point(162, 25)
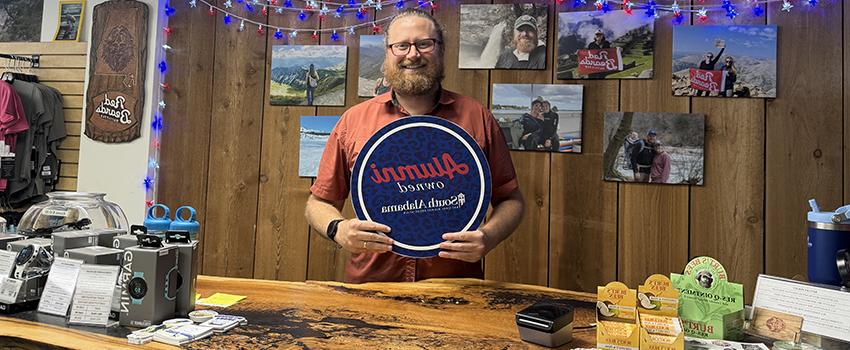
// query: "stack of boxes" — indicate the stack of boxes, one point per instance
point(616, 317)
point(658, 310)
point(645, 319)
point(700, 303)
point(154, 283)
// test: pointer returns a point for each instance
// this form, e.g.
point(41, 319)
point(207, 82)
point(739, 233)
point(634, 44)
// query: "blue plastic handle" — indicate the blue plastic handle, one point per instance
point(153, 207)
point(179, 217)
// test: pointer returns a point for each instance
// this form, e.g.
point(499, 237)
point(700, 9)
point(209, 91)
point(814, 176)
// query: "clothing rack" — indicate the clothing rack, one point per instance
point(35, 60)
point(62, 66)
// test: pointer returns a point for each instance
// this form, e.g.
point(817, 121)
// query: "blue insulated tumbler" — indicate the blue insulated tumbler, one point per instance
point(190, 224)
point(829, 232)
point(157, 225)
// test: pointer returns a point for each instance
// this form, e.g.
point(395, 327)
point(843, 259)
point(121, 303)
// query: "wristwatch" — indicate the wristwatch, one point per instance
point(24, 259)
point(32, 256)
point(332, 227)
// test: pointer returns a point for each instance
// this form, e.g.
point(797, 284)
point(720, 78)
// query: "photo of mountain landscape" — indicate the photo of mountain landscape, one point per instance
point(311, 75)
point(613, 45)
point(315, 131)
point(724, 61)
point(371, 80)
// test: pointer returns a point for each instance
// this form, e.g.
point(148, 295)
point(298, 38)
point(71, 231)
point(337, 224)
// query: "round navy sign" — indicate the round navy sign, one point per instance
point(422, 176)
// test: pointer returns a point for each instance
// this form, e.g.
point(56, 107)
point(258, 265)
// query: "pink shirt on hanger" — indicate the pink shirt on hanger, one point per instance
point(12, 119)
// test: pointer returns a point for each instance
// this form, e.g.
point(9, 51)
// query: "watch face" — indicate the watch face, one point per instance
point(25, 255)
point(137, 287)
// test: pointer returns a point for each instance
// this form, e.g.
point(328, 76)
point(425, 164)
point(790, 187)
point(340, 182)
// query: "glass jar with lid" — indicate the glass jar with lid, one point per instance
point(64, 211)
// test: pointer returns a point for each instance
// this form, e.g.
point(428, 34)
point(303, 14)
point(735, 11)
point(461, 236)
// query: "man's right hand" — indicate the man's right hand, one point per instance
point(358, 236)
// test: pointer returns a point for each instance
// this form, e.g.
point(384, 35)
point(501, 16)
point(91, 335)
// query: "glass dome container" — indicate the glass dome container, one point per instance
point(64, 211)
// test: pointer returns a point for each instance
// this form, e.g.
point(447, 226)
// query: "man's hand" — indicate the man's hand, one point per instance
point(359, 236)
point(468, 246)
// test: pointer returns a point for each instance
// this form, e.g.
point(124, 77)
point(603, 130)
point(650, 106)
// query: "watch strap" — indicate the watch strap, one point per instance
point(332, 230)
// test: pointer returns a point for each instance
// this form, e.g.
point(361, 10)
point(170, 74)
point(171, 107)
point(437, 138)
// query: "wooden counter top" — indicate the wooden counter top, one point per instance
point(442, 313)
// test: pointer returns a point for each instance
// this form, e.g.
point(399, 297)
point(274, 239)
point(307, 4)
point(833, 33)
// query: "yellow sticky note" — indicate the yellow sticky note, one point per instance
point(220, 300)
point(197, 296)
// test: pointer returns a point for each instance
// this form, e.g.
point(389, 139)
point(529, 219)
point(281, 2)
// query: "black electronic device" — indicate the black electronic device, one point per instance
point(546, 323)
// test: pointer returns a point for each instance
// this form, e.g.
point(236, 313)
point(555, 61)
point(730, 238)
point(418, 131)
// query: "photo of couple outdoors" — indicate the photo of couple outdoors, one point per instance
point(539, 117)
point(663, 148)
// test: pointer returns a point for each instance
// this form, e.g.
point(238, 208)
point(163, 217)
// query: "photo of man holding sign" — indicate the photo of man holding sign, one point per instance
point(599, 58)
point(414, 69)
point(614, 45)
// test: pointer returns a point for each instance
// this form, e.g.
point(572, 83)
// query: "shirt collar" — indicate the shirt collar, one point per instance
point(446, 98)
point(521, 56)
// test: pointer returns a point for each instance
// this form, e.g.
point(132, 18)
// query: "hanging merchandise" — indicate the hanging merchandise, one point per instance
point(30, 137)
point(115, 94)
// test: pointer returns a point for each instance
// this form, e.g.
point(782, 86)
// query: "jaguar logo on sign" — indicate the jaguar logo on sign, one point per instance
point(422, 176)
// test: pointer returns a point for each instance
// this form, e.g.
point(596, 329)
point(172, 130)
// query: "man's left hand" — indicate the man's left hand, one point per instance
point(469, 246)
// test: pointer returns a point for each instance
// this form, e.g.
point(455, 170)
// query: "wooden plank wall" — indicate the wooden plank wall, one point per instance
point(231, 154)
point(63, 67)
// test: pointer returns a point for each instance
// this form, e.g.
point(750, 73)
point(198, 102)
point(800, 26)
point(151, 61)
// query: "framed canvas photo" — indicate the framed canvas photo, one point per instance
point(657, 148)
point(539, 117)
point(614, 45)
point(737, 61)
point(70, 20)
point(503, 36)
point(20, 21)
point(308, 75)
point(315, 131)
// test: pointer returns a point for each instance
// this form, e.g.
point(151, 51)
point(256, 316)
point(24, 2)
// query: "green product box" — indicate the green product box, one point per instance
point(710, 306)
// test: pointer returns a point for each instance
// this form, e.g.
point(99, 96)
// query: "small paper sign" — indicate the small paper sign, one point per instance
point(824, 309)
point(422, 176)
point(60, 286)
point(7, 263)
point(94, 294)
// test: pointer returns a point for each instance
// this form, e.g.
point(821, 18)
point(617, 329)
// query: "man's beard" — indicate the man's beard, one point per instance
point(525, 44)
point(414, 83)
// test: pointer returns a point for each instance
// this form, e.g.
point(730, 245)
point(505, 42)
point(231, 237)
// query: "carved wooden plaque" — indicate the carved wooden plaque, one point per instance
point(115, 94)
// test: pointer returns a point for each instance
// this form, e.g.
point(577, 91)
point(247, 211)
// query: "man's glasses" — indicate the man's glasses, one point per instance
point(423, 46)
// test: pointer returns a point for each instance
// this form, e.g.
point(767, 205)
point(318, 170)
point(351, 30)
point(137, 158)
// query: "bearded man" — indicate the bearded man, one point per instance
point(414, 68)
point(527, 53)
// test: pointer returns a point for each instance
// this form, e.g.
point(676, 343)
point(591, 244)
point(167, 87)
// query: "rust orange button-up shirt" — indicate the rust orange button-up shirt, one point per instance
point(356, 126)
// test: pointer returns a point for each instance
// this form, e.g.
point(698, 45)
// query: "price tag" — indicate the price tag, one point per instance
point(9, 289)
